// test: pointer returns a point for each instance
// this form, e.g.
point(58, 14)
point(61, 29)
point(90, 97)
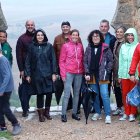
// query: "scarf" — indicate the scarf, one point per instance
point(95, 59)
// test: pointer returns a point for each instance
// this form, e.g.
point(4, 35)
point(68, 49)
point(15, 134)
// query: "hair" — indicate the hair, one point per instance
point(104, 20)
point(120, 27)
point(74, 30)
point(45, 36)
point(3, 31)
point(65, 23)
point(95, 32)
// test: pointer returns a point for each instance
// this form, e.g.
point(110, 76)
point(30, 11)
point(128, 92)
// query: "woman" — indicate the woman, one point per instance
point(125, 58)
point(120, 30)
point(98, 61)
point(40, 71)
point(71, 70)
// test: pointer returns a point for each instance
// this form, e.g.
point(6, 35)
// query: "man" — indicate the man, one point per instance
point(21, 52)
point(109, 38)
point(58, 42)
point(6, 87)
point(6, 48)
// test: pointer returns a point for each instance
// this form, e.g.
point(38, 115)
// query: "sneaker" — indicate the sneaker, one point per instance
point(108, 119)
point(16, 129)
point(131, 118)
point(118, 111)
point(25, 113)
point(96, 117)
point(123, 118)
point(3, 129)
point(139, 124)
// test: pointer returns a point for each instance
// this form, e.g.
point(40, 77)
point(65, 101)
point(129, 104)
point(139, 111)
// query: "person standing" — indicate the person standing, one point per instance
point(6, 87)
point(135, 65)
point(58, 42)
point(6, 48)
point(21, 52)
point(71, 70)
point(109, 39)
point(120, 30)
point(98, 62)
point(125, 58)
point(40, 71)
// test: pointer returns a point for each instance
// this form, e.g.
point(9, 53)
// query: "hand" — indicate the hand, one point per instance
point(64, 79)
point(54, 77)
point(22, 74)
point(87, 77)
point(133, 79)
point(1, 94)
point(119, 80)
point(28, 78)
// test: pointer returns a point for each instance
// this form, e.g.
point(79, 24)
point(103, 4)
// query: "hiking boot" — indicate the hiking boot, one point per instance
point(96, 117)
point(108, 119)
point(118, 111)
point(123, 118)
point(3, 129)
point(47, 113)
point(41, 114)
point(63, 118)
point(25, 113)
point(16, 129)
point(131, 118)
point(76, 117)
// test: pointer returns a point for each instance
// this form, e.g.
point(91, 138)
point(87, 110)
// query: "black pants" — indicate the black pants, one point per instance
point(40, 100)
point(5, 110)
point(118, 96)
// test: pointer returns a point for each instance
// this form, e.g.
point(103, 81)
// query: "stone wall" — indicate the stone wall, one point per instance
point(128, 14)
point(3, 24)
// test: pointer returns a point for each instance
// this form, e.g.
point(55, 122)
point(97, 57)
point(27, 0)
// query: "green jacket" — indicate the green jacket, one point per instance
point(125, 55)
point(7, 51)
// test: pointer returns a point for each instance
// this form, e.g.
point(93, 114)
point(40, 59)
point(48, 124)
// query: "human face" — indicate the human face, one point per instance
point(30, 26)
point(120, 34)
point(3, 37)
point(96, 39)
point(130, 38)
point(75, 37)
point(65, 29)
point(104, 27)
point(40, 37)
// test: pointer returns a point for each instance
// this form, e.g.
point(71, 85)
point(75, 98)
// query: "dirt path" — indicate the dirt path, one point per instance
point(74, 130)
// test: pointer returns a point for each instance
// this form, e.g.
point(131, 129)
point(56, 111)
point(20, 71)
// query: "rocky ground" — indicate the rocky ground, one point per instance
point(32, 129)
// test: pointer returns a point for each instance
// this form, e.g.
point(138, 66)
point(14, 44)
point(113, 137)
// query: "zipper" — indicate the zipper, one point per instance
point(77, 57)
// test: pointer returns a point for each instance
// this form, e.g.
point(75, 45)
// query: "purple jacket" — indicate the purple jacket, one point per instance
point(105, 64)
point(22, 48)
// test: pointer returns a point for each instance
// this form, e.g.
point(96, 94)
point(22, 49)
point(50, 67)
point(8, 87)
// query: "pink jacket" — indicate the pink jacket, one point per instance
point(71, 59)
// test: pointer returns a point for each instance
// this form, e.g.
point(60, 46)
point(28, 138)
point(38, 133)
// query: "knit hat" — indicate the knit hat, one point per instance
point(65, 23)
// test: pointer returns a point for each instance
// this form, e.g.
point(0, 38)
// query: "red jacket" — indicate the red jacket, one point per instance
point(135, 61)
point(71, 59)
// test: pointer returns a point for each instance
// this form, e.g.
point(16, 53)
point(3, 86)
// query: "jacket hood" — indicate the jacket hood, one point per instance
point(45, 36)
point(134, 32)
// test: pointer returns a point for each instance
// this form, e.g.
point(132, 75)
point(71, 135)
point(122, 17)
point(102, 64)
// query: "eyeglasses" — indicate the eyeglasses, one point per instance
point(96, 36)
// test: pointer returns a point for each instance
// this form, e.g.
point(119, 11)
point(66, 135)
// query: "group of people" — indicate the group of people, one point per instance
point(106, 60)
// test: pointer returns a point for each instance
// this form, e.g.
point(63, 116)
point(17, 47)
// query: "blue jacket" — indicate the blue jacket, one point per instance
point(6, 78)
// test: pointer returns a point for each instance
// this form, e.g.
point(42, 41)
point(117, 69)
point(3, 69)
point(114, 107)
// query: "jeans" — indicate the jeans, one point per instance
point(5, 110)
point(101, 89)
point(76, 79)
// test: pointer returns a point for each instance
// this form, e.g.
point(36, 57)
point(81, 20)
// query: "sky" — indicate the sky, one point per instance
point(84, 15)
point(31, 8)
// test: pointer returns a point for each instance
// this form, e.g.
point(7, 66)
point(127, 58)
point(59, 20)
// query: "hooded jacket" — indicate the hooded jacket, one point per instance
point(125, 55)
point(71, 59)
